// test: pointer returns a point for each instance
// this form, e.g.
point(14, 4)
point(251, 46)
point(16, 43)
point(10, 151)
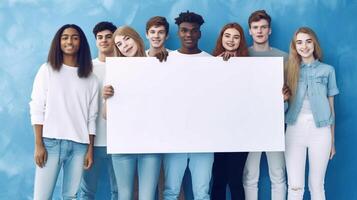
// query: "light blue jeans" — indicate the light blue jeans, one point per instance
point(148, 169)
point(102, 162)
point(200, 166)
point(64, 154)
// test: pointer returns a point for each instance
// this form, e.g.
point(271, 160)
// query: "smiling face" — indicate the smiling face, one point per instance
point(104, 42)
point(126, 45)
point(231, 39)
point(156, 36)
point(70, 41)
point(260, 31)
point(305, 47)
point(189, 34)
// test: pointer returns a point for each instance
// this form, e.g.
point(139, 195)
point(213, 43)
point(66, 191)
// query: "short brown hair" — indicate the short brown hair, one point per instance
point(258, 15)
point(157, 21)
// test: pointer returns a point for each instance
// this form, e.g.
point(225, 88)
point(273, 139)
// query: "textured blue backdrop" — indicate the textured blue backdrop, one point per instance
point(27, 27)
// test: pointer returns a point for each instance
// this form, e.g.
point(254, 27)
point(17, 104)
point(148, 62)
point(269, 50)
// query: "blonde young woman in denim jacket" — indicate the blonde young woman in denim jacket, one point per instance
point(310, 116)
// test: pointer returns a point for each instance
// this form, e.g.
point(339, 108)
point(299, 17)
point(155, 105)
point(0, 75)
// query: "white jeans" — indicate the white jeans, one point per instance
point(301, 138)
point(277, 176)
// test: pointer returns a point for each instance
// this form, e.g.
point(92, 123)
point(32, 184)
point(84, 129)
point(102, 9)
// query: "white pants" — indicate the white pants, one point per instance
point(301, 138)
point(276, 165)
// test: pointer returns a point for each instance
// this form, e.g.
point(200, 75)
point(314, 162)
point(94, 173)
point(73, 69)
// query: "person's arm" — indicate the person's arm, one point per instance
point(37, 111)
point(88, 161)
point(108, 91)
point(333, 149)
point(105, 110)
point(93, 114)
point(332, 90)
point(40, 155)
point(286, 95)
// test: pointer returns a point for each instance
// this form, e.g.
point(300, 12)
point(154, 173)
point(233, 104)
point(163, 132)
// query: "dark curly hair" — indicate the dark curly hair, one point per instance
point(190, 17)
point(102, 26)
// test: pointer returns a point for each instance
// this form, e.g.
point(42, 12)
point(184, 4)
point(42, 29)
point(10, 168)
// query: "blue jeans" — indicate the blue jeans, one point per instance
point(200, 166)
point(102, 162)
point(64, 154)
point(148, 168)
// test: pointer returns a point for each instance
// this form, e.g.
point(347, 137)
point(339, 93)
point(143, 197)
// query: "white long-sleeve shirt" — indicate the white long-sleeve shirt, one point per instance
point(64, 104)
point(101, 131)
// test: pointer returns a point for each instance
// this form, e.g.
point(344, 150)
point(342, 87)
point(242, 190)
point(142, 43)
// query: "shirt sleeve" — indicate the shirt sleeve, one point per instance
point(286, 106)
point(332, 89)
point(39, 95)
point(93, 108)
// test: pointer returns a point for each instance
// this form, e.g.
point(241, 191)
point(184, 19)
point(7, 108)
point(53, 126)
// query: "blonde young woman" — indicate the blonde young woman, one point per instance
point(128, 43)
point(310, 117)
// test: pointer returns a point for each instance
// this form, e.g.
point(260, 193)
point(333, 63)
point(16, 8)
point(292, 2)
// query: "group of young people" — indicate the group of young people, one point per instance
point(68, 111)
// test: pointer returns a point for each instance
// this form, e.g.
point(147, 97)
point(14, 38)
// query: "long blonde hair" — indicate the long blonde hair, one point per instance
point(130, 32)
point(294, 61)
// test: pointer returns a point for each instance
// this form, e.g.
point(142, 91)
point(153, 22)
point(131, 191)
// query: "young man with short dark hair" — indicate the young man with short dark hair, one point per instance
point(103, 33)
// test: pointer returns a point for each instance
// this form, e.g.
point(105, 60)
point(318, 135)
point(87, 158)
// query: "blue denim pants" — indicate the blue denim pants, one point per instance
point(102, 163)
point(64, 154)
point(200, 166)
point(148, 170)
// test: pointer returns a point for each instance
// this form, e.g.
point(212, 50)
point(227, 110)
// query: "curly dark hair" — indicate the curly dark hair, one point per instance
point(101, 26)
point(190, 17)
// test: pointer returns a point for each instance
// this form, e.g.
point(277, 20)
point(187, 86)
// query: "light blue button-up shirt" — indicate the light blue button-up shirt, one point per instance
point(318, 81)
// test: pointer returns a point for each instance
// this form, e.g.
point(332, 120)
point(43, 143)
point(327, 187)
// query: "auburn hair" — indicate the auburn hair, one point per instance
point(242, 49)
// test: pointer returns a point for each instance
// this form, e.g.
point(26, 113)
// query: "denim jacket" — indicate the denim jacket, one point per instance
point(318, 81)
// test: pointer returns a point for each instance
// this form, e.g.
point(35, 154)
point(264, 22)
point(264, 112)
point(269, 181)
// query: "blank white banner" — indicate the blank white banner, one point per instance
point(198, 104)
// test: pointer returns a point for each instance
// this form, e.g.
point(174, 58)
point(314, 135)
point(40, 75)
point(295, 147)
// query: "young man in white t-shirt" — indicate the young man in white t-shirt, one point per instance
point(199, 164)
point(103, 33)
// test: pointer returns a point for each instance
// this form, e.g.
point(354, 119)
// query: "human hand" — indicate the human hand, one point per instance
point(108, 91)
point(286, 92)
point(40, 156)
point(226, 55)
point(162, 55)
point(88, 160)
point(333, 151)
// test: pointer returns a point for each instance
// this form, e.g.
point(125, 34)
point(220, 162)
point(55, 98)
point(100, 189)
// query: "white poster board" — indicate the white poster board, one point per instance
point(198, 104)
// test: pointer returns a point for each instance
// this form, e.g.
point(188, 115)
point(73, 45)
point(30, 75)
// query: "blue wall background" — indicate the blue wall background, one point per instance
point(27, 27)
